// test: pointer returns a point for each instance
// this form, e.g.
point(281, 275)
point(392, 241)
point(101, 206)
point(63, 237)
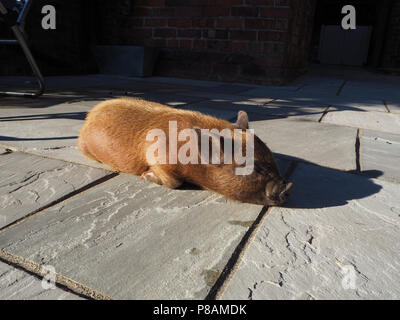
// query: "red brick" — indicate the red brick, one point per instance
point(158, 43)
point(189, 33)
point(155, 22)
point(256, 47)
point(239, 46)
point(281, 3)
point(261, 2)
point(142, 12)
point(275, 12)
point(216, 11)
point(242, 35)
point(163, 12)
point(173, 43)
point(272, 36)
point(202, 22)
point(134, 22)
point(244, 11)
point(274, 48)
point(186, 2)
point(199, 44)
point(218, 45)
point(221, 34)
point(149, 2)
point(164, 33)
point(259, 23)
point(185, 44)
point(228, 2)
point(268, 61)
point(189, 11)
point(139, 33)
point(282, 24)
point(179, 22)
point(229, 23)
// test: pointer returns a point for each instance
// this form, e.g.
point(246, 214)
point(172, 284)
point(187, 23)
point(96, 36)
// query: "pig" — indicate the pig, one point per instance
point(115, 133)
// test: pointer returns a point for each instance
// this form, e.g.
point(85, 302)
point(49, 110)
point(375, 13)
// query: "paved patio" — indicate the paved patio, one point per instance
point(112, 235)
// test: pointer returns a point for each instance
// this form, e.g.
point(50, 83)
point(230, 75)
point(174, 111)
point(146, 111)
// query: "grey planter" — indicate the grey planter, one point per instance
point(126, 60)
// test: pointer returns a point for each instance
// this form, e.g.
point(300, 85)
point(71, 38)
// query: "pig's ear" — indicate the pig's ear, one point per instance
point(242, 121)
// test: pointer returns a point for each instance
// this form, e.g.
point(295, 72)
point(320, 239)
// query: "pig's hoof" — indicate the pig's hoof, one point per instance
point(150, 176)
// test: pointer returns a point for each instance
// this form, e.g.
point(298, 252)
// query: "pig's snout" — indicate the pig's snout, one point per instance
point(278, 192)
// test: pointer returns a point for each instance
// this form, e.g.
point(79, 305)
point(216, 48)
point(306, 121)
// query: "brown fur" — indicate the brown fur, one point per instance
point(115, 134)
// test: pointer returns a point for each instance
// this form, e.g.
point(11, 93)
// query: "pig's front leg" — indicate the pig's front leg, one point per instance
point(159, 176)
point(150, 176)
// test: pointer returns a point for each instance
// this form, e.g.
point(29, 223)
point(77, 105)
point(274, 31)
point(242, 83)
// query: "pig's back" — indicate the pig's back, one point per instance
point(115, 130)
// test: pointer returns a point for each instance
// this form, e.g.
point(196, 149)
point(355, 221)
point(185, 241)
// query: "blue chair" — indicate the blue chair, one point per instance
point(13, 13)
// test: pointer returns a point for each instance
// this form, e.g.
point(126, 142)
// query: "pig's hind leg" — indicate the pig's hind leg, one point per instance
point(157, 175)
point(82, 146)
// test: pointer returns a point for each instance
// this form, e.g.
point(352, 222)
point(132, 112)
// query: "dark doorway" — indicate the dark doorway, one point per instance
point(361, 47)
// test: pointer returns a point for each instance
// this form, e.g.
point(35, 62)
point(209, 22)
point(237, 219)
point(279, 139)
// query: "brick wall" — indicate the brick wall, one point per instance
point(391, 51)
point(261, 41)
point(299, 44)
point(258, 41)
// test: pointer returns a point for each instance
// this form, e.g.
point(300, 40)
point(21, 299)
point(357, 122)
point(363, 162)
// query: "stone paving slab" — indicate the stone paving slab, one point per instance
point(381, 151)
point(229, 98)
point(169, 99)
point(335, 103)
point(311, 113)
point(16, 284)
point(326, 96)
point(288, 102)
point(308, 93)
point(323, 144)
point(372, 90)
point(357, 104)
point(226, 87)
point(218, 113)
point(259, 111)
point(53, 127)
point(317, 80)
point(128, 238)
point(393, 105)
point(335, 225)
point(68, 154)
point(29, 183)
point(378, 121)
point(271, 91)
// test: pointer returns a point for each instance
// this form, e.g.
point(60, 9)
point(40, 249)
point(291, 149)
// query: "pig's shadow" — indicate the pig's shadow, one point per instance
point(320, 187)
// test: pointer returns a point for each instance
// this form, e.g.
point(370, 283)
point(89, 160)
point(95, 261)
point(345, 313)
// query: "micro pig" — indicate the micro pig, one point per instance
point(115, 133)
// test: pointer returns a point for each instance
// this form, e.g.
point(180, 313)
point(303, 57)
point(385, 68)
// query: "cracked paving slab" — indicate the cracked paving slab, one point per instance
point(381, 152)
point(378, 121)
point(28, 183)
point(393, 105)
point(343, 104)
point(323, 144)
point(335, 226)
point(129, 238)
point(16, 284)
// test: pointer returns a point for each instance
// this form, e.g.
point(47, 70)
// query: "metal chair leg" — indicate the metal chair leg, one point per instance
point(19, 35)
